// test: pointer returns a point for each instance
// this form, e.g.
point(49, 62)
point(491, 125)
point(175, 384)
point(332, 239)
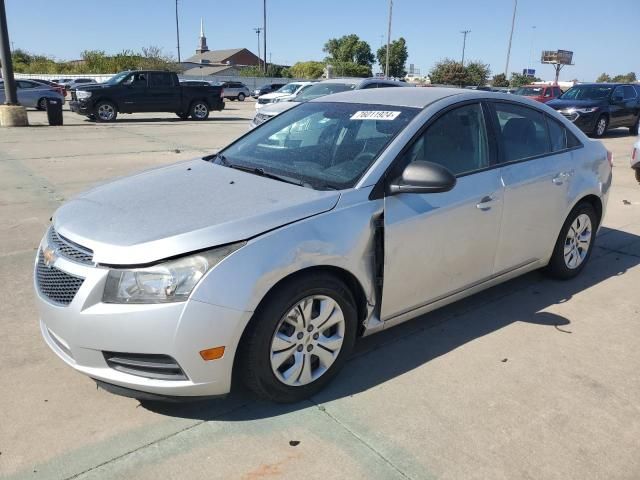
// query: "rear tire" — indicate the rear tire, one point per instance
point(241, 97)
point(635, 128)
point(601, 126)
point(288, 352)
point(575, 242)
point(199, 110)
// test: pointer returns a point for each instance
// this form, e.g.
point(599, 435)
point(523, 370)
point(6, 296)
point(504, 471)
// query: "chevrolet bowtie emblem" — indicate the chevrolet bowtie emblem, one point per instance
point(49, 255)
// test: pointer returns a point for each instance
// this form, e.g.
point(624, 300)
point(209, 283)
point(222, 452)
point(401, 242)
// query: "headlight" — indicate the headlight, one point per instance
point(586, 110)
point(170, 281)
point(83, 93)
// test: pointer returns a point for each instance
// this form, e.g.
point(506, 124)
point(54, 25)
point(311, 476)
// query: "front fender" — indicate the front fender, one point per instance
point(342, 238)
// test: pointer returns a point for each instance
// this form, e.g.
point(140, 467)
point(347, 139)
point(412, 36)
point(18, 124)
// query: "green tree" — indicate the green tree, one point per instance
point(603, 78)
point(398, 55)
point(309, 69)
point(349, 49)
point(628, 78)
point(350, 69)
point(500, 80)
point(518, 80)
point(477, 73)
point(448, 72)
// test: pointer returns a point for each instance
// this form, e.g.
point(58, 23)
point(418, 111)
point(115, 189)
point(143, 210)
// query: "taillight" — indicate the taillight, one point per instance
point(610, 158)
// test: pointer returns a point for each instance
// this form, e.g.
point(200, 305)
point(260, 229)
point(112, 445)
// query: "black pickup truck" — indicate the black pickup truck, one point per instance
point(145, 91)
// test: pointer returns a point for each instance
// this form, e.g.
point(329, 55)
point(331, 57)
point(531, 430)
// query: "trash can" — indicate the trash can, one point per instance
point(54, 111)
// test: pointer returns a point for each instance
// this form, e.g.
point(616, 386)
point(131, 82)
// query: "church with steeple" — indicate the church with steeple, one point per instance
point(217, 62)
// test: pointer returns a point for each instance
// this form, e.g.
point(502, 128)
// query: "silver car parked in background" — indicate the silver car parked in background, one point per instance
point(32, 94)
point(339, 218)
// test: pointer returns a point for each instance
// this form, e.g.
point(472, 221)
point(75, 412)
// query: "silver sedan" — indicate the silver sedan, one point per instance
point(339, 218)
point(32, 94)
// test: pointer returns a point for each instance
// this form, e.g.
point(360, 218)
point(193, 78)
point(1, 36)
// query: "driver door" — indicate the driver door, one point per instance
point(438, 244)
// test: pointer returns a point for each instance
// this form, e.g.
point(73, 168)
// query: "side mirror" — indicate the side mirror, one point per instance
point(423, 177)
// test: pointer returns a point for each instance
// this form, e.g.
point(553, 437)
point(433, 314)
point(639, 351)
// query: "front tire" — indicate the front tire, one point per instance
point(199, 110)
point(601, 126)
point(299, 338)
point(241, 97)
point(105, 112)
point(42, 104)
point(575, 242)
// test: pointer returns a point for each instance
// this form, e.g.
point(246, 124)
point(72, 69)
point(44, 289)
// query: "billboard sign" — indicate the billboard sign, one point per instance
point(560, 57)
point(528, 72)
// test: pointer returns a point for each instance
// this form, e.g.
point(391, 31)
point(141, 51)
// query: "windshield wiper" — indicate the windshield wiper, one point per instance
point(255, 170)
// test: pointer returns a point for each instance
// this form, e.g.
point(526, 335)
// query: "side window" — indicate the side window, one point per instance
point(370, 85)
point(136, 80)
point(523, 132)
point(618, 92)
point(547, 92)
point(558, 135)
point(556, 91)
point(24, 84)
point(572, 140)
point(457, 140)
point(161, 80)
point(629, 92)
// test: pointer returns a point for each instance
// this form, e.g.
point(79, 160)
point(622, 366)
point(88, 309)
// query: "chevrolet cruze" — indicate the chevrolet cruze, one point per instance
point(339, 218)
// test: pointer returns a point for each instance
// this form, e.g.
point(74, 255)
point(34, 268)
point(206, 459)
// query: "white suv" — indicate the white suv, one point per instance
point(283, 94)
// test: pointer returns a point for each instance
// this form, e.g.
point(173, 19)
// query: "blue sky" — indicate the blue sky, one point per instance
point(604, 36)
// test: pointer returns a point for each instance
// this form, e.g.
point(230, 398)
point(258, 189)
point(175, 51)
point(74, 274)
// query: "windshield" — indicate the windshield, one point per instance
point(117, 78)
point(322, 89)
point(529, 91)
point(289, 88)
point(324, 145)
point(587, 92)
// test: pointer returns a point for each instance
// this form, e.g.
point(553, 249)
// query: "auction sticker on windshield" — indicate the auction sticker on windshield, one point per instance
point(374, 115)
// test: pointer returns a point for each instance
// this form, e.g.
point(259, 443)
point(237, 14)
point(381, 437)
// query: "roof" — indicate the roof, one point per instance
point(215, 56)
point(208, 70)
point(399, 96)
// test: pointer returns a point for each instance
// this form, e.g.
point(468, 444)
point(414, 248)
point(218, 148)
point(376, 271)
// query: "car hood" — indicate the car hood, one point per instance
point(92, 86)
point(276, 108)
point(559, 104)
point(182, 208)
point(272, 95)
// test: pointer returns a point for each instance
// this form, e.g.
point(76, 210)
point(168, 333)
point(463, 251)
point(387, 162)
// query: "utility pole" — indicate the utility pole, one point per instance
point(386, 71)
point(464, 42)
point(533, 34)
point(12, 114)
point(264, 37)
point(258, 30)
point(177, 31)
point(513, 22)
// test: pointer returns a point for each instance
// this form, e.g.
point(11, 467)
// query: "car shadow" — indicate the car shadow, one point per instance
point(394, 352)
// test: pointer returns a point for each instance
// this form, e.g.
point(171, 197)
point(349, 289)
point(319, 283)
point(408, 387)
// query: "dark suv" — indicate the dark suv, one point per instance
point(596, 107)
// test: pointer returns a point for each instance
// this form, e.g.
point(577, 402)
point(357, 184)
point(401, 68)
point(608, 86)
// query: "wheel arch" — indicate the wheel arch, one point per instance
point(596, 203)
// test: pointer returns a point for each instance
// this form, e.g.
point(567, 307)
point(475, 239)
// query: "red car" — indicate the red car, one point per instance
point(540, 93)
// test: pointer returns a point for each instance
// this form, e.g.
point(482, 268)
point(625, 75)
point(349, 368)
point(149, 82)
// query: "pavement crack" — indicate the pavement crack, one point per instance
point(362, 440)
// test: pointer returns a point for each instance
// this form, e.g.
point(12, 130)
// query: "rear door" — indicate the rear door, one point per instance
point(631, 105)
point(440, 243)
point(164, 95)
point(536, 178)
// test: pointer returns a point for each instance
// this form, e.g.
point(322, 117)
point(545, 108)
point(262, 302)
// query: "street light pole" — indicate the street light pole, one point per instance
point(533, 34)
point(386, 71)
point(177, 31)
point(264, 36)
point(513, 22)
point(464, 42)
point(258, 30)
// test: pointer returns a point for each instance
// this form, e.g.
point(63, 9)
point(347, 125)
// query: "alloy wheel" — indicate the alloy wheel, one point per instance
point(601, 127)
point(106, 112)
point(200, 110)
point(307, 340)
point(578, 241)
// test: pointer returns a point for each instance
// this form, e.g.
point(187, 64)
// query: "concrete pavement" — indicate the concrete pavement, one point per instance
point(532, 379)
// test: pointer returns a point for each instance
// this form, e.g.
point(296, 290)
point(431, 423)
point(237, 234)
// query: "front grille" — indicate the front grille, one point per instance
point(68, 249)
point(58, 286)
point(158, 367)
point(260, 118)
point(263, 101)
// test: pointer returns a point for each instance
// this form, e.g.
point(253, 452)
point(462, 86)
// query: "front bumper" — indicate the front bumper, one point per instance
point(584, 121)
point(81, 107)
point(82, 331)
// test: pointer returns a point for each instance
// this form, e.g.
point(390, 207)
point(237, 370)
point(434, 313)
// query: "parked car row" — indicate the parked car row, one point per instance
point(34, 93)
point(319, 89)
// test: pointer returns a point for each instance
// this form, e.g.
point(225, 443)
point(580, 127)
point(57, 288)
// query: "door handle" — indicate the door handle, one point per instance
point(486, 203)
